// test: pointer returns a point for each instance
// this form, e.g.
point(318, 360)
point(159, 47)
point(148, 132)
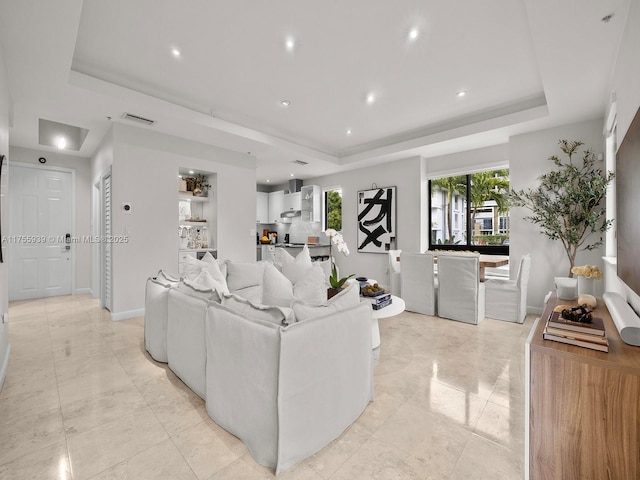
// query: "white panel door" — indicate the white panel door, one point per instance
point(40, 217)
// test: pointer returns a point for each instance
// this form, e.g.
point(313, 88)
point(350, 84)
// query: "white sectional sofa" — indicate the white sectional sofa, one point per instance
point(286, 378)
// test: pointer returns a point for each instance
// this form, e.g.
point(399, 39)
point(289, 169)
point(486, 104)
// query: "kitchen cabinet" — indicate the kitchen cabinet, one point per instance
point(292, 202)
point(311, 203)
point(276, 206)
point(262, 208)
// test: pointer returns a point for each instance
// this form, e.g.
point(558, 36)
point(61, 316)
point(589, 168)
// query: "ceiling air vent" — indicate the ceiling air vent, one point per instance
point(137, 118)
point(300, 162)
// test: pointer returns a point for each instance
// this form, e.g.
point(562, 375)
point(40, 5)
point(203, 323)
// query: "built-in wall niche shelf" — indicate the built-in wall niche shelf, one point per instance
point(192, 198)
point(196, 216)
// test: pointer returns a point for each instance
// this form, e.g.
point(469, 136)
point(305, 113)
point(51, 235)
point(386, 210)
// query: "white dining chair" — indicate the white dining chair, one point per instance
point(460, 292)
point(419, 283)
point(395, 284)
point(506, 299)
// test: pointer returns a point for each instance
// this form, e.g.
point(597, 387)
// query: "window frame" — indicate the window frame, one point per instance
point(483, 249)
point(325, 204)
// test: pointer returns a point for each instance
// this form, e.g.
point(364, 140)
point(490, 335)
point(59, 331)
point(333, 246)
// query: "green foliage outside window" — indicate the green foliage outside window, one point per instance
point(334, 210)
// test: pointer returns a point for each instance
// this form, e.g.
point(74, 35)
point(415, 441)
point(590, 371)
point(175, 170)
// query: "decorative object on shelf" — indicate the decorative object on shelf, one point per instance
point(336, 239)
point(567, 205)
point(200, 185)
point(587, 275)
point(377, 220)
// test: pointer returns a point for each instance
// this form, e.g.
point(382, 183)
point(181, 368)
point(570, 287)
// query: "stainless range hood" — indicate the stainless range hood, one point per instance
point(292, 200)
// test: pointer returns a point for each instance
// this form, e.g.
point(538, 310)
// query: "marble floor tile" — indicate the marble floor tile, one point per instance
point(207, 449)
point(92, 412)
point(160, 462)
point(31, 433)
point(435, 441)
point(83, 399)
point(377, 460)
point(105, 446)
point(502, 425)
point(328, 460)
point(50, 462)
point(483, 459)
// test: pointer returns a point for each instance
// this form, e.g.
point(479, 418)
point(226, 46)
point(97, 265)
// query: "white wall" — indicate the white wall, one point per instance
point(626, 85)
point(82, 167)
point(4, 198)
point(528, 154)
point(145, 173)
point(496, 156)
point(407, 176)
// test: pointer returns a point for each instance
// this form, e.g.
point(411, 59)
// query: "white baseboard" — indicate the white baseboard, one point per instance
point(117, 316)
point(4, 366)
point(83, 291)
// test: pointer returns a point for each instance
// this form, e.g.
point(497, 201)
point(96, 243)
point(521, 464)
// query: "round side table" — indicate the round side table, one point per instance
point(396, 307)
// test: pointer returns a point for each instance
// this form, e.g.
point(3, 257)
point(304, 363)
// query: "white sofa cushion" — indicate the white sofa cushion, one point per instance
point(267, 313)
point(295, 268)
point(186, 346)
point(167, 279)
point(195, 289)
point(276, 288)
point(349, 297)
point(193, 269)
point(311, 287)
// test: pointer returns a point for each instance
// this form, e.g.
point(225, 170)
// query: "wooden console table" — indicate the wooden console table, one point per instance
point(583, 406)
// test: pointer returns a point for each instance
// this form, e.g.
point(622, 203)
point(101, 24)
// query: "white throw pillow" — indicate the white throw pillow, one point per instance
point(243, 275)
point(218, 275)
point(276, 288)
point(326, 268)
point(311, 288)
point(245, 308)
point(295, 268)
point(194, 267)
point(349, 297)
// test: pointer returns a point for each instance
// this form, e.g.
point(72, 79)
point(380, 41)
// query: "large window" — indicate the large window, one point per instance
point(470, 212)
point(332, 200)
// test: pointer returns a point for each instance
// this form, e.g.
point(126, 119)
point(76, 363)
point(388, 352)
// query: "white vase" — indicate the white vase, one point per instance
point(586, 286)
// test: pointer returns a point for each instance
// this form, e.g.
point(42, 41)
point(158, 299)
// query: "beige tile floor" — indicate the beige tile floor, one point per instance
point(82, 399)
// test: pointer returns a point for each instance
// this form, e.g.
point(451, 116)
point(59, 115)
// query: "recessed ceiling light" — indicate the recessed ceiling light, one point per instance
point(191, 172)
point(61, 143)
point(413, 34)
point(268, 180)
point(371, 98)
point(461, 93)
point(291, 174)
point(285, 103)
point(349, 131)
point(289, 44)
point(175, 52)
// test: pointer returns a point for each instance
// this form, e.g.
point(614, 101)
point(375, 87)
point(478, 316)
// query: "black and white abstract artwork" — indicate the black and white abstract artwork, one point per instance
point(377, 220)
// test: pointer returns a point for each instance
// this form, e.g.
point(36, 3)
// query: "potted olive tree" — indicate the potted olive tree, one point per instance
point(568, 204)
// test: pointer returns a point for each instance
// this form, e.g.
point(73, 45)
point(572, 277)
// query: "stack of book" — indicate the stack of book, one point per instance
point(588, 335)
point(379, 301)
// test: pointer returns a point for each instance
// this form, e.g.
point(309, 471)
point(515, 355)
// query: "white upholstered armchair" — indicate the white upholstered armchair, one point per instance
point(419, 284)
point(506, 299)
point(460, 292)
